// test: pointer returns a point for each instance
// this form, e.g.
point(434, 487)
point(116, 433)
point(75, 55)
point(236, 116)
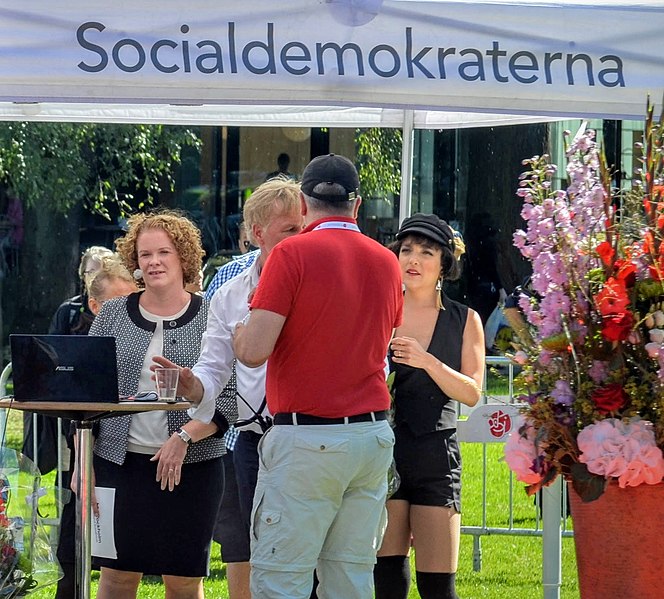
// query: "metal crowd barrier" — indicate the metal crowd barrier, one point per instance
point(550, 525)
point(548, 521)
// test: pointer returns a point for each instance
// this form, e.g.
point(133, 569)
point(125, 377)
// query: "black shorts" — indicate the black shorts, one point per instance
point(161, 532)
point(429, 467)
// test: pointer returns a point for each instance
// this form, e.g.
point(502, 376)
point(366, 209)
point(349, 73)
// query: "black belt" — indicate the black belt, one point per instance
point(295, 418)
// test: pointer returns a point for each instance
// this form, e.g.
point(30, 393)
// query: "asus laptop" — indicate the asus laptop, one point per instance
point(73, 368)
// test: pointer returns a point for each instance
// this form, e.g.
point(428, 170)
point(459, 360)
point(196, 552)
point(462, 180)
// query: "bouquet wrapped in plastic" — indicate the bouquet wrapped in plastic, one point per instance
point(26, 557)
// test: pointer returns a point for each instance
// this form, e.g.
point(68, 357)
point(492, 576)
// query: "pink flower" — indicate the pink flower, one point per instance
point(623, 450)
point(653, 349)
point(522, 457)
point(520, 357)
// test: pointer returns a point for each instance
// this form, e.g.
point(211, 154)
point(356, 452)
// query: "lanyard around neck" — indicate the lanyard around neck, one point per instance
point(337, 224)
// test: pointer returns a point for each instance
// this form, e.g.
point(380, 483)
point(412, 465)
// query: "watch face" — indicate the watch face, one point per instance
point(184, 436)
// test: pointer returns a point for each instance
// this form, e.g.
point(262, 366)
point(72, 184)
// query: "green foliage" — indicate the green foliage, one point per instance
point(379, 161)
point(96, 164)
point(511, 565)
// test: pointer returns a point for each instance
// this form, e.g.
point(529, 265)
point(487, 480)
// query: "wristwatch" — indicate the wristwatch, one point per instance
point(184, 435)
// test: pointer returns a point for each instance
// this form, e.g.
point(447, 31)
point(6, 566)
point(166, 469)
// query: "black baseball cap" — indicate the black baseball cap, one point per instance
point(429, 226)
point(331, 169)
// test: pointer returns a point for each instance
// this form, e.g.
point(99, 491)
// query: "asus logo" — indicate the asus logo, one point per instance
point(64, 369)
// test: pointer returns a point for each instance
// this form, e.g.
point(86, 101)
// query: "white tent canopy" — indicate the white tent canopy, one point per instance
point(234, 62)
point(256, 115)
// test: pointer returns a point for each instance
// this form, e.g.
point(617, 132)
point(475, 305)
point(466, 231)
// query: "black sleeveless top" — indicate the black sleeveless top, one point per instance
point(419, 402)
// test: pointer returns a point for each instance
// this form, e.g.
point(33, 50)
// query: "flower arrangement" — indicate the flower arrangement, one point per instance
point(593, 365)
point(26, 557)
point(15, 577)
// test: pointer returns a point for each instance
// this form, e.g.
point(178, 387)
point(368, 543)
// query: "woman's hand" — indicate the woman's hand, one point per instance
point(170, 457)
point(406, 350)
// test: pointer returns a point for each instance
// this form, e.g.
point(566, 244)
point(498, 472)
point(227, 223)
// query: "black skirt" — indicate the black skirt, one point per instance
point(161, 532)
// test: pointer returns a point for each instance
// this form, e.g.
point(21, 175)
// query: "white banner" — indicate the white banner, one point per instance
point(550, 58)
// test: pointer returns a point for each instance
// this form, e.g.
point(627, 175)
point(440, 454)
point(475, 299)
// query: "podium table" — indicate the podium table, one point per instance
point(85, 415)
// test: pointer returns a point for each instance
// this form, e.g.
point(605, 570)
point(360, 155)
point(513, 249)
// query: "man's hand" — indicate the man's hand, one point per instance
point(189, 386)
point(254, 341)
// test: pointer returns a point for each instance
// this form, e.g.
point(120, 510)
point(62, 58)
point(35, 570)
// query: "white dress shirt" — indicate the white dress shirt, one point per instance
point(229, 306)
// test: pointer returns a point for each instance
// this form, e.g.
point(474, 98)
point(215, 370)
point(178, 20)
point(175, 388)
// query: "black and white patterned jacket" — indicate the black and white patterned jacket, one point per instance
point(122, 319)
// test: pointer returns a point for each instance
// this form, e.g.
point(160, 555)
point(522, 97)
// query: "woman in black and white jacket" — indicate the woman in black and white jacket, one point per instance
point(165, 467)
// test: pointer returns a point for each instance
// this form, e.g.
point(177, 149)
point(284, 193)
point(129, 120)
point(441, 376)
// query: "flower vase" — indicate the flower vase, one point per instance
point(619, 540)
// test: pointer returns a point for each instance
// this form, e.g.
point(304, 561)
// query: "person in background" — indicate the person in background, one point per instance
point(437, 355)
point(231, 269)
point(283, 162)
point(244, 239)
point(73, 317)
point(485, 288)
point(271, 214)
point(514, 314)
point(165, 467)
point(322, 316)
point(111, 280)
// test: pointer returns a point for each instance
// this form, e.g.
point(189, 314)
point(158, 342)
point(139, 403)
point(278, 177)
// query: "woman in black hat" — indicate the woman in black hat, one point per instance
point(437, 355)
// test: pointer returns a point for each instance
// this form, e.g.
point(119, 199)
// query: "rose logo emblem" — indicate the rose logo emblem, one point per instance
point(500, 423)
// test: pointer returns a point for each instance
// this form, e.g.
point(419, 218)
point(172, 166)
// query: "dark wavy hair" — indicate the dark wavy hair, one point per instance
point(450, 265)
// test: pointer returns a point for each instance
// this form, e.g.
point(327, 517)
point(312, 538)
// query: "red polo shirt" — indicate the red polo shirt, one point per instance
point(340, 292)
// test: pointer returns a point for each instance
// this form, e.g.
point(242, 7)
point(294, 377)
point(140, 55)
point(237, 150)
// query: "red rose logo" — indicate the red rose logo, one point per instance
point(500, 424)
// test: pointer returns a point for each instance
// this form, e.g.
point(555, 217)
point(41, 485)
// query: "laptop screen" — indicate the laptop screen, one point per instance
point(73, 368)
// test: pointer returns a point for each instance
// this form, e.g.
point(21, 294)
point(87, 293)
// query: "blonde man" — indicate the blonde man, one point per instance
point(271, 214)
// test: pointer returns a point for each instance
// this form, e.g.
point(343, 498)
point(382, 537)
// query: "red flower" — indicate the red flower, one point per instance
point(606, 252)
point(612, 299)
point(609, 398)
point(656, 270)
point(617, 327)
point(625, 272)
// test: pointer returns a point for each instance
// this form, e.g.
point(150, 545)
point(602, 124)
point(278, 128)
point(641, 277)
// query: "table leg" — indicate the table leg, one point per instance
point(83, 507)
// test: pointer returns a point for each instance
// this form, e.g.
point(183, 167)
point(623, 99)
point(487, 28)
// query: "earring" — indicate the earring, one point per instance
point(439, 293)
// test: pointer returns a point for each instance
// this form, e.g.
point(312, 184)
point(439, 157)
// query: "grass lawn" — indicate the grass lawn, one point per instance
point(511, 565)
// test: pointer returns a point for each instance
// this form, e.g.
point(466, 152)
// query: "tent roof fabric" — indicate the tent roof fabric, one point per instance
point(256, 116)
point(331, 62)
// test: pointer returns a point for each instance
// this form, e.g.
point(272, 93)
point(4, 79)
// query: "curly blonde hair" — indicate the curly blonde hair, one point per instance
point(184, 234)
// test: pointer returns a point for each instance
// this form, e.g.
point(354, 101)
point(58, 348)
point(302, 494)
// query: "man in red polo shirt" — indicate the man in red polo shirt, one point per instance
point(324, 311)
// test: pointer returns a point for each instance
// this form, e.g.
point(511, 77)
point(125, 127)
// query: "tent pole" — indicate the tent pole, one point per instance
point(406, 196)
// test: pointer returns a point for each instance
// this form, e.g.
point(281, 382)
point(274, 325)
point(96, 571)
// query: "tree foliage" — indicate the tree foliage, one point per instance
point(98, 165)
point(379, 161)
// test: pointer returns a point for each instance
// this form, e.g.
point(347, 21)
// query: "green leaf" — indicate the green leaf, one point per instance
point(587, 485)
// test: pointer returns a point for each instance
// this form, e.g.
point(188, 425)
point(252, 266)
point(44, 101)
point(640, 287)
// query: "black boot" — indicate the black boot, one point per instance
point(392, 577)
point(436, 585)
